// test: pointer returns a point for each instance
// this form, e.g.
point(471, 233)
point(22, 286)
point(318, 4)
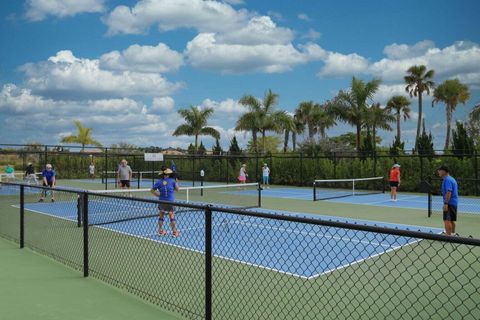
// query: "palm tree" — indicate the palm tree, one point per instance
point(261, 116)
point(401, 106)
point(286, 124)
point(196, 124)
point(349, 106)
point(299, 128)
point(307, 114)
point(324, 118)
point(451, 92)
point(83, 137)
point(378, 117)
point(419, 80)
point(475, 113)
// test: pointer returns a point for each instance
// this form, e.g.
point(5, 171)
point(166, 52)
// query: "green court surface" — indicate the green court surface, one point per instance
point(36, 287)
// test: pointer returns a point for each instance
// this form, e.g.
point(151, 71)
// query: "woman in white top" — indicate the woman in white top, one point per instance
point(242, 177)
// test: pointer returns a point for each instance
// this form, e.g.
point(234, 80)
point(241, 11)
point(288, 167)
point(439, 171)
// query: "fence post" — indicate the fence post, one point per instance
point(334, 165)
point(374, 163)
point(193, 169)
point(256, 168)
point(85, 232)
point(105, 168)
point(45, 153)
point(301, 169)
point(208, 263)
point(475, 163)
point(22, 216)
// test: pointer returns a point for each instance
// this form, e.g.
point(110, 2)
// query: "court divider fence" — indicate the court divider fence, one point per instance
point(237, 264)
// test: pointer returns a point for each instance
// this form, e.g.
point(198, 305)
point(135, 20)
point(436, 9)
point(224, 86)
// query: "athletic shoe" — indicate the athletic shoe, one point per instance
point(40, 200)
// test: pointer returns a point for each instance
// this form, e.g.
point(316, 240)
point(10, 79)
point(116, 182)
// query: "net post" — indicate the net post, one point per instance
point(208, 263)
point(353, 187)
point(314, 191)
point(201, 185)
point(429, 203)
point(79, 211)
point(22, 216)
point(259, 196)
point(84, 197)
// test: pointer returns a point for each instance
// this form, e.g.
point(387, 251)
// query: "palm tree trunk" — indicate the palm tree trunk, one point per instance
point(398, 124)
point(294, 141)
point(311, 134)
point(254, 140)
point(357, 142)
point(285, 141)
point(449, 125)
point(196, 143)
point(263, 140)
point(374, 133)
point(419, 122)
point(83, 147)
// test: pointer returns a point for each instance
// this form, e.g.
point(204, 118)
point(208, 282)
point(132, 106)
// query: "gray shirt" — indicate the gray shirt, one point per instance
point(124, 172)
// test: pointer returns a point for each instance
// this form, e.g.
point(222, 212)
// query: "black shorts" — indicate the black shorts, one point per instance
point(125, 183)
point(48, 184)
point(166, 207)
point(394, 184)
point(450, 214)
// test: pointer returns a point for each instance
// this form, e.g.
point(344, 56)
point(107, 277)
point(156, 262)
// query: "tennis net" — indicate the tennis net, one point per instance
point(110, 206)
point(19, 177)
point(340, 188)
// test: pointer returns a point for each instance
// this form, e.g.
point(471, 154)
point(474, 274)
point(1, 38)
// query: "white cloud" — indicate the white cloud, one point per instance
point(206, 53)
point(234, 2)
point(404, 51)
point(458, 60)
point(162, 105)
point(148, 59)
point(304, 17)
point(39, 9)
point(66, 76)
point(312, 34)
point(339, 65)
point(385, 92)
point(205, 16)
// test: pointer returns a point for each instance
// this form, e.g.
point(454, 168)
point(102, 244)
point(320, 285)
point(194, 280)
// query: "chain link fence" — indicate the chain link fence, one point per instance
point(237, 264)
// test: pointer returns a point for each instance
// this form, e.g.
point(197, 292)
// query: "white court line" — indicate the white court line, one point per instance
point(144, 236)
point(362, 260)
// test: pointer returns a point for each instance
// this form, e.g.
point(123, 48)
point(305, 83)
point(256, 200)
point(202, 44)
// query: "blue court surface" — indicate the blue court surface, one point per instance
point(405, 200)
point(298, 250)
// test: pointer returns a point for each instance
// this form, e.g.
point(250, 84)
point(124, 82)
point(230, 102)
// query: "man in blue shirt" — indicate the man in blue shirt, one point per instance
point(165, 189)
point(49, 180)
point(450, 199)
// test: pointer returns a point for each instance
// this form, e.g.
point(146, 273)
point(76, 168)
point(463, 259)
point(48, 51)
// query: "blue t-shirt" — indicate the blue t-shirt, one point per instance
point(449, 184)
point(49, 174)
point(166, 187)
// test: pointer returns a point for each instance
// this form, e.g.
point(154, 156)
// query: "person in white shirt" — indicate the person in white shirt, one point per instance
point(91, 171)
point(242, 177)
point(266, 174)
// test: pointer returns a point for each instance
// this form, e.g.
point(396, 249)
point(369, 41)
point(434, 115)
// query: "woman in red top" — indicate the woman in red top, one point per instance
point(394, 181)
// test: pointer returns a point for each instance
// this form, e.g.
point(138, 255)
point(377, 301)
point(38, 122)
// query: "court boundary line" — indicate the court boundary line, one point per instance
point(148, 238)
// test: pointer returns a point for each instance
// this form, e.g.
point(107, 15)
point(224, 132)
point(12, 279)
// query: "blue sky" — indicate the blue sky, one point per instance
point(125, 67)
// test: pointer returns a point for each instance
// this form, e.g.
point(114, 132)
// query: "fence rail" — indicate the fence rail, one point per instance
point(235, 264)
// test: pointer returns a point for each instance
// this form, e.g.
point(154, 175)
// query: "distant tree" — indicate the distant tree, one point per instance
point(425, 143)
point(400, 106)
point(83, 137)
point(201, 149)
point(368, 147)
point(217, 148)
point(451, 93)
point(34, 146)
point(234, 149)
point(271, 145)
point(349, 106)
point(473, 124)
point(418, 81)
point(299, 129)
point(191, 149)
point(196, 124)
point(377, 117)
point(462, 142)
point(124, 147)
point(397, 148)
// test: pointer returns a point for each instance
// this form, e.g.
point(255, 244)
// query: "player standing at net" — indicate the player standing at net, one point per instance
point(450, 199)
point(242, 176)
point(394, 181)
point(165, 189)
point(266, 175)
point(30, 176)
point(49, 180)
point(124, 175)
